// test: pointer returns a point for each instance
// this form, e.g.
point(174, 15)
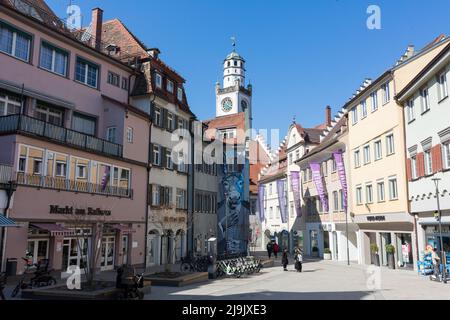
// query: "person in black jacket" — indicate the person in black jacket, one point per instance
point(269, 249)
point(284, 259)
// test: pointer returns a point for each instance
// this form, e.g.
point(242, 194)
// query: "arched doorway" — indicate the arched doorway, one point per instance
point(153, 255)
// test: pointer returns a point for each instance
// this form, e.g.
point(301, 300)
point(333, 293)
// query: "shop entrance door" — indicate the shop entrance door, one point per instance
point(385, 240)
point(75, 253)
point(108, 251)
point(38, 250)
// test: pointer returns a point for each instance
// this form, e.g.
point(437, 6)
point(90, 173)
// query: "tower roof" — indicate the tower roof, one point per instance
point(234, 56)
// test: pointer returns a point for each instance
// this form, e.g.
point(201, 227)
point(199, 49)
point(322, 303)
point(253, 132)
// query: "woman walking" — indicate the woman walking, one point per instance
point(276, 249)
point(284, 259)
point(298, 259)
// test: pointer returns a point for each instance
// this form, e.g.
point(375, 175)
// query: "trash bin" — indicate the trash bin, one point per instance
point(11, 267)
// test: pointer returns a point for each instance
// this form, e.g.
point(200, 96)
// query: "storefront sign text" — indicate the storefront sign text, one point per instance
point(79, 212)
point(376, 218)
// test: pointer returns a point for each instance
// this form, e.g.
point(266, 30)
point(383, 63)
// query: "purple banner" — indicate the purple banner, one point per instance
point(295, 186)
point(317, 178)
point(106, 177)
point(261, 200)
point(282, 200)
point(340, 165)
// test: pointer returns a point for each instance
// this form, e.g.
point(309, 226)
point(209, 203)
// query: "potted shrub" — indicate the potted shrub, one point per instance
point(315, 252)
point(390, 250)
point(375, 255)
point(327, 254)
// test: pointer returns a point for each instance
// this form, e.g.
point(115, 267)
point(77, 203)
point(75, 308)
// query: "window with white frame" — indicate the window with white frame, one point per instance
point(9, 105)
point(86, 72)
point(181, 162)
point(446, 147)
point(37, 166)
point(111, 134)
point(335, 201)
point(180, 123)
point(333, 165)
point(181, 199)
point(378, 150)
point(180, 94)
point(158, 80)
point(443, 89)
point(157, 116)
point(53, 59)
point(369, 193)
point(170, 121)
point(374, 98)
point(61, 169)
point(357, 158)
point(156, 196)
point(124, 83)
point(425, 99)
point(390, 144)
point(22, 164)
point(14, 42)
point(228, 134)
point(169, 162)
point(386, 93)
point(414, 167)
point(381, 192)
point(411, 110)
point(355, 115)
point(366, 155)
point(393, 190)
point(359, 195)
point(169, 86)
point(81, 171)
point(130, 135)
point(341, 200)
point(113, 79)
point(49, 114)
point(156, 155)
point(363, 109)
point(428, 163)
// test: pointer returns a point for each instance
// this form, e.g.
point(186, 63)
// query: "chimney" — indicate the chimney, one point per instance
point(328, 116)
point(97, 25)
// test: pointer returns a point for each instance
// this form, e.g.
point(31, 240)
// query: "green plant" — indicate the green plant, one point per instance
point(327, 251)
point(390, 249)
point(315, 249)
point(373, 248)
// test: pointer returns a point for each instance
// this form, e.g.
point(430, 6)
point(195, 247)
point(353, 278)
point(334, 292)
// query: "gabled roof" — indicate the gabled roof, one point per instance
point(236, 121)
point(311, 135)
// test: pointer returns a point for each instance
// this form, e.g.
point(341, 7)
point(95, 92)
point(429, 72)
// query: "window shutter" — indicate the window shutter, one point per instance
point(150, 195)
point(164, 118)
point(436, 153)
point(175, 122)
point(420, 165)
point(161, 196)
point(150, 156)
point(408, 170)
point(163, 157)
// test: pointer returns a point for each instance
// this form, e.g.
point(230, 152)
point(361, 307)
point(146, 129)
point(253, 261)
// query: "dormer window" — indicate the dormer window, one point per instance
point(158, 80)
point(180, 94)
point(169, 86)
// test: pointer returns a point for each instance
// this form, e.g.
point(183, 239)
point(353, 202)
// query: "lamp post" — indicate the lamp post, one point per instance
point(226, 224)
point(444, 269)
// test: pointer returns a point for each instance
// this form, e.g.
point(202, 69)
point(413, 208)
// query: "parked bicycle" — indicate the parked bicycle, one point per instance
point(130, 284)
point(238, 267)
point(41, 276)
point(197, 264)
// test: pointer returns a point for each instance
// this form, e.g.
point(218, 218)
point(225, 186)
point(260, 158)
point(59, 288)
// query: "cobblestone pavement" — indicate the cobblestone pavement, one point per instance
point(323, 280)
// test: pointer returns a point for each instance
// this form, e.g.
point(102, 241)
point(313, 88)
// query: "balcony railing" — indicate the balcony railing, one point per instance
point(22, 123)
point(63, 184)
point(6, 173)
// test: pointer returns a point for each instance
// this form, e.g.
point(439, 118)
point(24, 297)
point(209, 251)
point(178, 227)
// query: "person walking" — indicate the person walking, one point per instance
point(298, 259)
point(284, 259)
point(436, 263)
point(269, 249)
point(276, 249)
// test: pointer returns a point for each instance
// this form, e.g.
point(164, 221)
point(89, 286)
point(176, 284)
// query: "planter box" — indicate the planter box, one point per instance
point(181, 281)
point(60, 292)
point(391, 261)
point(327, 256)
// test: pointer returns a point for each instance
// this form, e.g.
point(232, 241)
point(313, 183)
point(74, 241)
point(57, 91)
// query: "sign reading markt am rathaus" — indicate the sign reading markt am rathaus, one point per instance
point(68, 210)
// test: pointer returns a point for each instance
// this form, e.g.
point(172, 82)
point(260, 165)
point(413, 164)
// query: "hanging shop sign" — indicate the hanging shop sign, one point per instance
point(69, 210)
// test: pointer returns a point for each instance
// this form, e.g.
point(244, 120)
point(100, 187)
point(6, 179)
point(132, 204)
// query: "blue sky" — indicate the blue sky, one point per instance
point(301, 55)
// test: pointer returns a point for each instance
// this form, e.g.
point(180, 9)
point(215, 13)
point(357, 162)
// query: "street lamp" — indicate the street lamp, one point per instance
point(436, 183)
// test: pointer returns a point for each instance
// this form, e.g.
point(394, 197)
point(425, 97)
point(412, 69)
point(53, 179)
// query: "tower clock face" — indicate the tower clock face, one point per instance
point(227, 105)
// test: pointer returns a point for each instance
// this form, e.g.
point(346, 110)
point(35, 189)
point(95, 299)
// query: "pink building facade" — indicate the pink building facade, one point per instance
point(78, 150)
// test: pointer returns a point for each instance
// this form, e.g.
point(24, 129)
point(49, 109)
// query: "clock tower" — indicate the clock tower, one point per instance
point(234, 97)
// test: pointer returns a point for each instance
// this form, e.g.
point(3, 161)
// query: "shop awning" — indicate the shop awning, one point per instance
point(6, 222)
point(433, 221)
point(54, 229)
point(123, 229)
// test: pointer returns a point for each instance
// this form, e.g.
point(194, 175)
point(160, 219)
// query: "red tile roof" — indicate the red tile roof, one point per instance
point(234, 121)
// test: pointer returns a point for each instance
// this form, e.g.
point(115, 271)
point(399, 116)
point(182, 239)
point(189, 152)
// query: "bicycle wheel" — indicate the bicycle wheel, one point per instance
point(185, 267)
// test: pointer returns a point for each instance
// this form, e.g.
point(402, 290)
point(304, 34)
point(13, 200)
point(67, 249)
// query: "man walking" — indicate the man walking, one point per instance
point(436, 263)
point(298, 260)
point(269, 249)
point(284, 259)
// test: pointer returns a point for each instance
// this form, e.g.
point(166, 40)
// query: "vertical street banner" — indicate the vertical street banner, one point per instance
point(340, 165)
point(317, 178)
point(261, 200)
point(282, 200)
point(106, 177)
point(295, 186)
